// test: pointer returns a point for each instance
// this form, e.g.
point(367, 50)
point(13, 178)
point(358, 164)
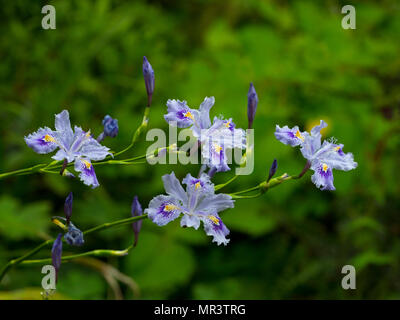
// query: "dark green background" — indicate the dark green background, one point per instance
point(292, 242)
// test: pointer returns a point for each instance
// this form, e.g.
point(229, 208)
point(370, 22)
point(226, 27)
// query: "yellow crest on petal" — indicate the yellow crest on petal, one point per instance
point(87, 164)
point(298, 135)
point(214, 220)
point(217, 147)
point(188, 115)
point(170, 207)
point(49, 138)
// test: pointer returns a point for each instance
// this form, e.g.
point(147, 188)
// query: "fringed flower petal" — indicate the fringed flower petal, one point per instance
point(87, 174)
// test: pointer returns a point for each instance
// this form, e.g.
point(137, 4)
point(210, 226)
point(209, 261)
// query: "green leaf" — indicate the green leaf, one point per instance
point(23, 222)
point(159, 265)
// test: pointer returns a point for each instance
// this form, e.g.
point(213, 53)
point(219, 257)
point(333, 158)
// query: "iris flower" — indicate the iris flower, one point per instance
point(72, 145)
point(323, 158)
point(198, 203)
point(215, 138)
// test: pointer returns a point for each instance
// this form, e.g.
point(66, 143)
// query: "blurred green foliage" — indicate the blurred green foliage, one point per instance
point(290, 243)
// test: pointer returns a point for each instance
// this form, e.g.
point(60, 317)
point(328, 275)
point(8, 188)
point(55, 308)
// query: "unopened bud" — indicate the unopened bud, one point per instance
point(68, 207)
point(136, 211)
point(252, 102)
point(272, 170)
point(56, 253)
point(148, 74)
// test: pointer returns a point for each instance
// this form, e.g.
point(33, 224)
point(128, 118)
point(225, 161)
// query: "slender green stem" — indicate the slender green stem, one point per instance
point(243, 161)
point(246, 190)
point(54, 168)
point(96, 253)
point(49, 171)
point(265, 185)
point(138, 131)
point(23, 171)
point(48, 167)
point(234, 196)
point(262, 187)
point(220, 186)
point(115, 223)
point(124, 150)
point(17, 261)
point(122, 162)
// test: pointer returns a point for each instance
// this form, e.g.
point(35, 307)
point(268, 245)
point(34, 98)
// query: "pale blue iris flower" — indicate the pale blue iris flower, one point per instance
point(198, 203)
point(323, 158)
point(215, 138)
point(73, 145)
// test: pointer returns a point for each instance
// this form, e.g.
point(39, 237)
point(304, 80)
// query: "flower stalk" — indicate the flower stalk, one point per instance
point(15, 262)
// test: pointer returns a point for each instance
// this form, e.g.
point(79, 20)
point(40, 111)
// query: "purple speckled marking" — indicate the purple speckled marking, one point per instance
point(181, 116)
point(326, 174)
point(42, 142)
point(219, 226)
point(161, 210)
point(231, 126)
point(195, 181)
point(290, 134)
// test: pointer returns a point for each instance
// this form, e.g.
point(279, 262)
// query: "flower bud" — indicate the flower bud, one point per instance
point(136, 211)
point(148, 74)
point(74, 236)
point(110, 127)
point(212, 172)
point(68, 174)
point(272, 170)
point(68, 207)
point(252, 101)
point(56, 253)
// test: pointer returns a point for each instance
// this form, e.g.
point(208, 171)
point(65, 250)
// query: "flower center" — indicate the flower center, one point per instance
point(298, 135)
point(48, 138)
point(197, 185)
point(227, 124)
point(188, 115)
point(214, 220)
point(217, 147)
point(87, 164)
point(170, 207)
point(325, 167)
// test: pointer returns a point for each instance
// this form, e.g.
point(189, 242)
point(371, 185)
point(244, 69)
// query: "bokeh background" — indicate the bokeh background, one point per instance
point(290, 243)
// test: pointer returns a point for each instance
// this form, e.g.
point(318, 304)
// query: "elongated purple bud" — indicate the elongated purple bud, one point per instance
point(136, 211)
point(148, 74)
point(272, 170)
point(56, 253)
point(252, 102)
point(212, 172)
point(68, 207)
